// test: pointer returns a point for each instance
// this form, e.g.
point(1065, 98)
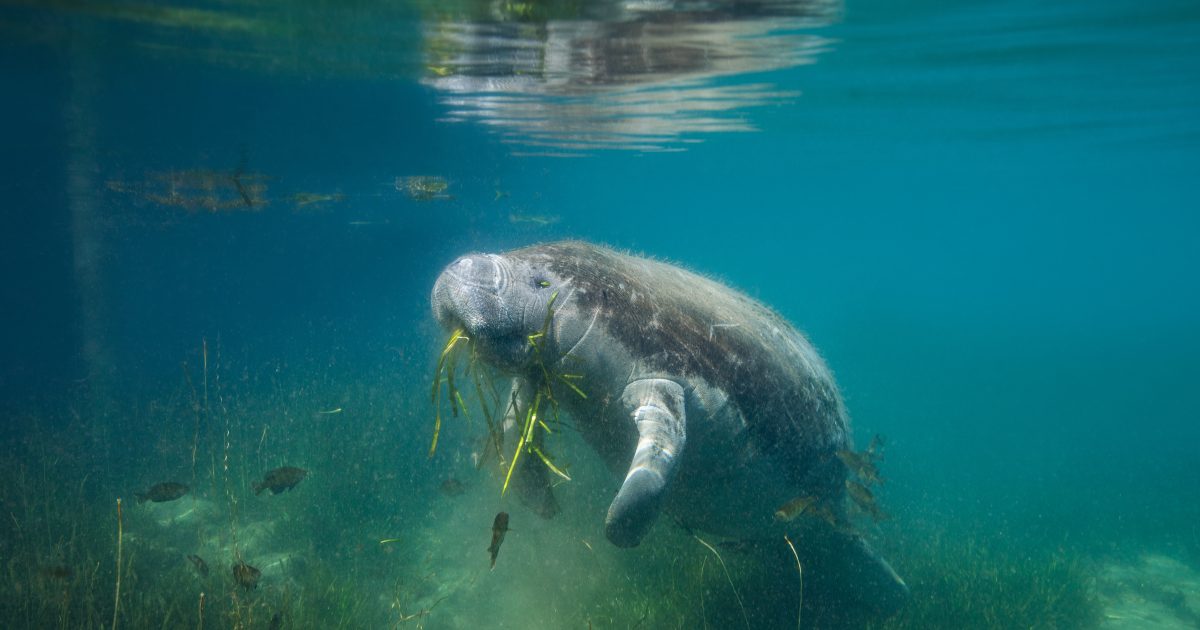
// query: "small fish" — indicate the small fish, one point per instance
point(276, 621)
point(794, 508)
point(452, 487)
point(875, 448)
point(499, 529)
point(330, 412)
point(280, 480)
point(388, 541)
point(861, 464)
point(865, 499)
point(826, 513)
point(860, 493)
point(58, 572)
point(246, 575)
point(161, 492)
point(739, 546)
point(199, 563)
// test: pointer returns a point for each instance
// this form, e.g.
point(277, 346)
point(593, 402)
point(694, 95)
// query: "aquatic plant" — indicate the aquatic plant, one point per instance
point(117, 590)
point(966, 580)
point(728, 578)
point(545, 374)
point(58, 545)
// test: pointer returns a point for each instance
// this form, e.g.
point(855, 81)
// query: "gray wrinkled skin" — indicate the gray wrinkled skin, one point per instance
point(707, 404)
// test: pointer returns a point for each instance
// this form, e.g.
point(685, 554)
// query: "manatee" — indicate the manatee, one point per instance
point(707, 404)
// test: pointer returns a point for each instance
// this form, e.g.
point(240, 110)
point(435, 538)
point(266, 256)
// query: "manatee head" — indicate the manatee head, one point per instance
point(500, 300)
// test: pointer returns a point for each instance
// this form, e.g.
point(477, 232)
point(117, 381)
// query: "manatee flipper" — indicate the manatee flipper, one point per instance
point(531, 479)
point(657, 408)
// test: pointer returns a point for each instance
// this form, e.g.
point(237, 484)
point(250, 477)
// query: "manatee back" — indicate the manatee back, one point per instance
point(678, 322)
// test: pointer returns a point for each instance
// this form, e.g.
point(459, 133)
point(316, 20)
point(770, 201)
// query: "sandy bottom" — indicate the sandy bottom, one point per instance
point(1155, 591)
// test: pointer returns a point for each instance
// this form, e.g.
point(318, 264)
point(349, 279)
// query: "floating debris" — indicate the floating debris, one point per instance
point(540, 220)
point(199, 564)
point(303, 199)
point(197, 190)
point(423, 187)
point(499, 529)
point(245, 575)
point(280, 479)
point(452, 487)
point(162, 492)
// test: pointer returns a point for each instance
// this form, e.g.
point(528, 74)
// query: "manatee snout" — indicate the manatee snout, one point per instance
point(468, 291)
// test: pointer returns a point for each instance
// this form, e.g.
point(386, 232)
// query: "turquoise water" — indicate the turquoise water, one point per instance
point(223, 220)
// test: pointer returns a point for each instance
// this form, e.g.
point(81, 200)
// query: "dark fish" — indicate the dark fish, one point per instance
point(832, 516)
point(739, 546)
point(276, 621)
point(865, 499)
point(861, 464)
point(861, 494)
point(452, 487)
point(794, 508)
point(160, 492)
point(58, 572)
point(200, 564)
point(280, 479)
point(246, 575)
point(499, 528)
point(875, 448)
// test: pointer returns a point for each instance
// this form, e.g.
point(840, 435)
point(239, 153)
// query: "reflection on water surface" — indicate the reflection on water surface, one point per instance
point(549, 77)
point(646, 76)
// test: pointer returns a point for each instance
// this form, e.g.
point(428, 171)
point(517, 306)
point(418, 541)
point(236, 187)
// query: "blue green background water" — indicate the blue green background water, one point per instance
point(984, 214)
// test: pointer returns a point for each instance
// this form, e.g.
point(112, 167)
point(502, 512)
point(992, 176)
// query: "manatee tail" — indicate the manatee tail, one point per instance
point(849, 582)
